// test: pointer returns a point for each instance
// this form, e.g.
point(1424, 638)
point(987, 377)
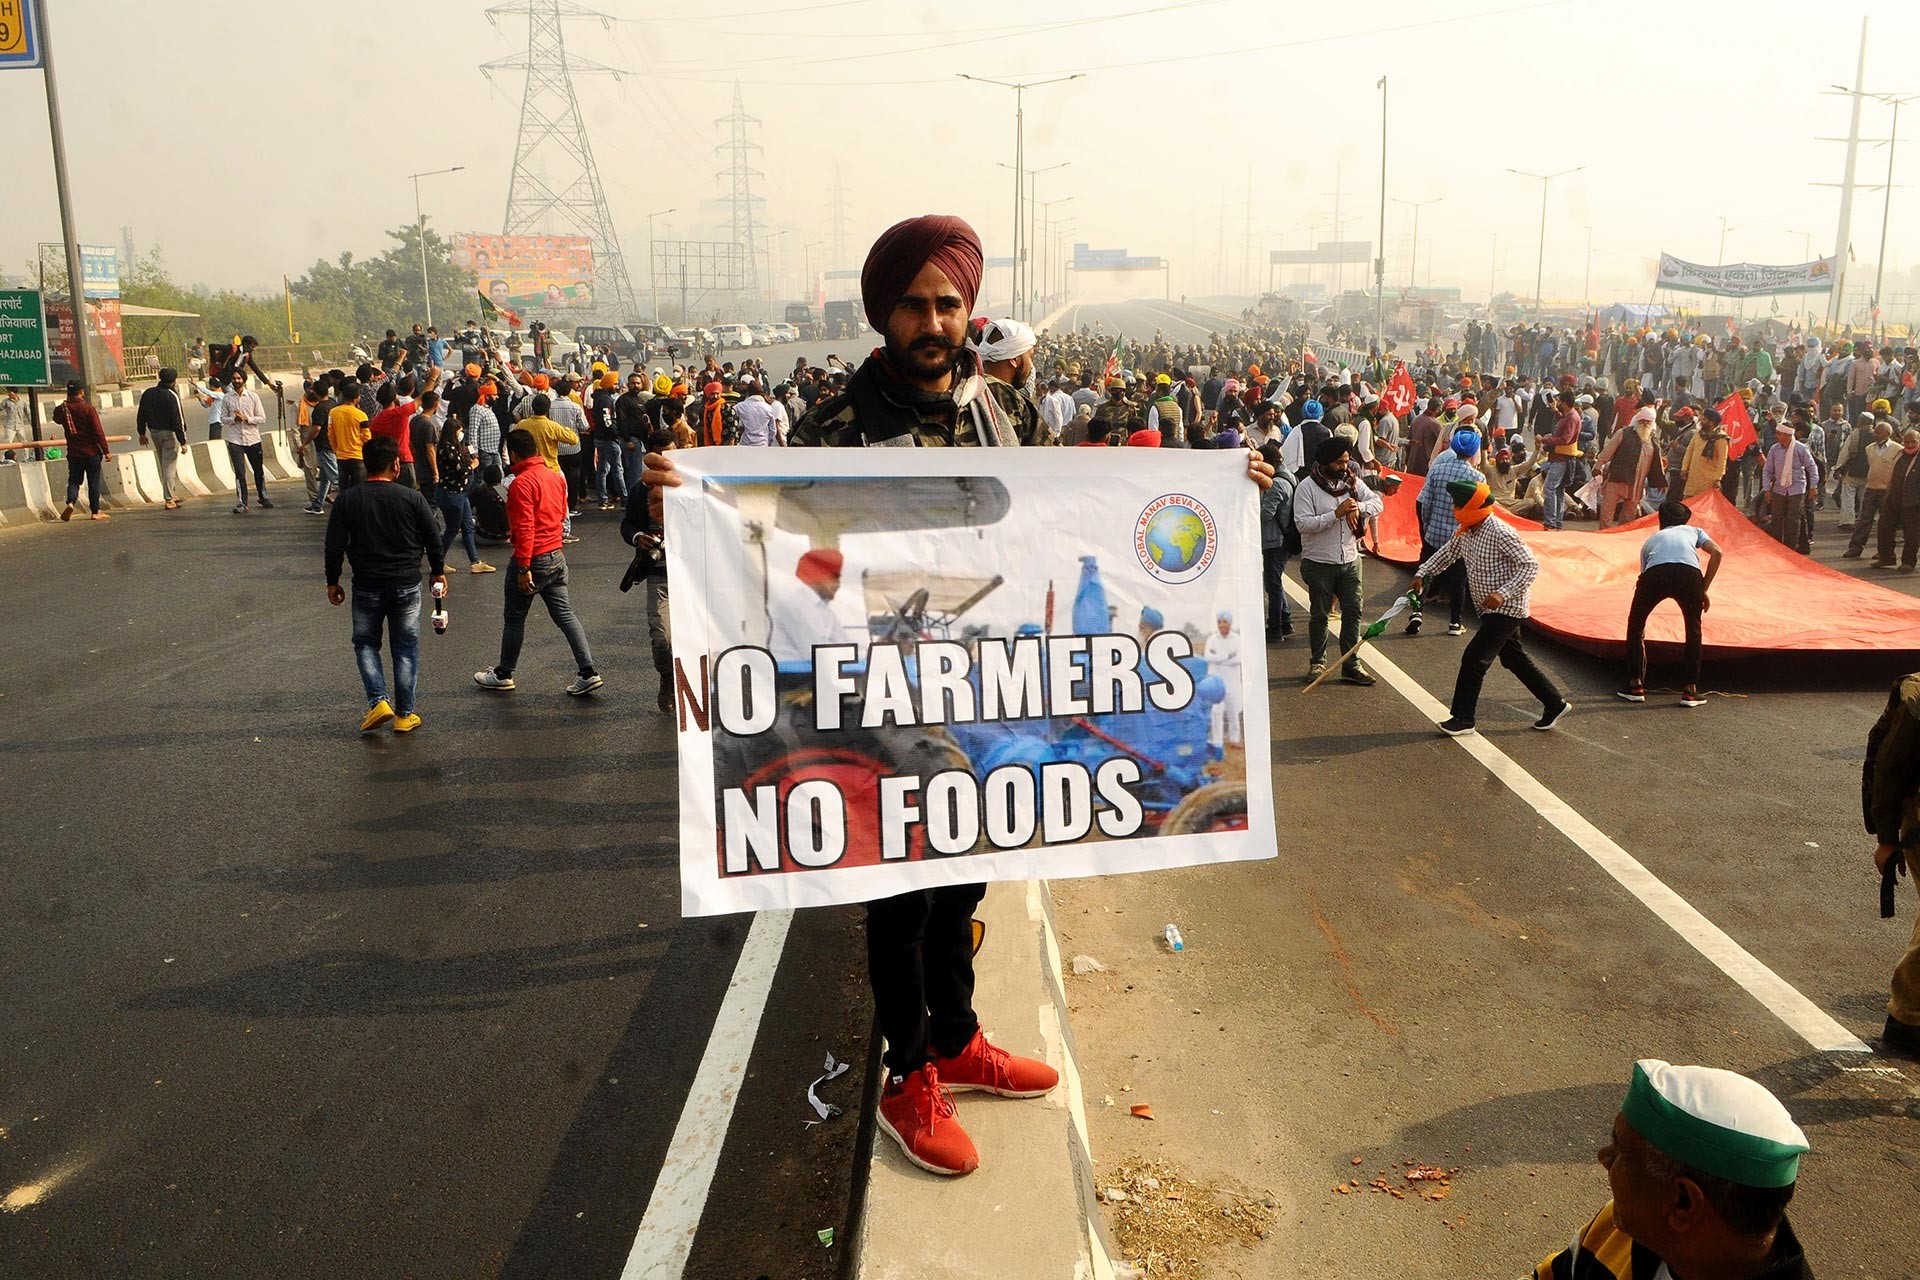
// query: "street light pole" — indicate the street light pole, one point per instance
point(1886, 209)
point(420, 221)
point(652, 287)
point(1024, 256)
point(76, 276)
point(1720, 255)
point(1414, 257)
point(1586, 288)
point(1380, 251)
point(773, 277)
point(1019, 158)
point(1540, 267)
point(806, 255)
point(1046, 244)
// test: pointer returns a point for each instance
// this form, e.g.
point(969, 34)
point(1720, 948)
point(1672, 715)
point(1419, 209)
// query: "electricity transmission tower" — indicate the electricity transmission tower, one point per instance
point(555, 188)
point(739, 175)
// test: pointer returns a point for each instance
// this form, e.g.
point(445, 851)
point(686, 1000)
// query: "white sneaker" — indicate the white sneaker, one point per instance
point(491, 679)
point(583, 685)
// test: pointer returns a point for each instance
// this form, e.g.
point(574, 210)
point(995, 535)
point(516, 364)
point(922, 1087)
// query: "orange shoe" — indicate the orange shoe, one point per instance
point(917, 1113)
point(991, 1069)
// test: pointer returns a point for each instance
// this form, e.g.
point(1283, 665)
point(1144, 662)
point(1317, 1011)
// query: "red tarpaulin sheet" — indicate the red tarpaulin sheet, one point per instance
point(1766, 598)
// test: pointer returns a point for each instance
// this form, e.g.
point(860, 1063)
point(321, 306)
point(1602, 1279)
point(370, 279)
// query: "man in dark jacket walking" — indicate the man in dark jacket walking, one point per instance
point(382, 528)
point(161, 418)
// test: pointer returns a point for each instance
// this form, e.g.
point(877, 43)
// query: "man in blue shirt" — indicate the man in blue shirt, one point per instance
point(1438, 525)
point(1670, 570)
point(1790, 480)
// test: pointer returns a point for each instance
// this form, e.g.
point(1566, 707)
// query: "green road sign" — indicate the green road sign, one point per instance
point(19, 35)
point(24, 358)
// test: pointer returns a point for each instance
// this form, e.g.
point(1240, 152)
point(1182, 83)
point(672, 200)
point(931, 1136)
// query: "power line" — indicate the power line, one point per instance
point(1031, 29)
point(1339, 37)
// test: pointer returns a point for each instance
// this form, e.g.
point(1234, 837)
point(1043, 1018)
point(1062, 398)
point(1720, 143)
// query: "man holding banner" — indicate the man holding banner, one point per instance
point(923, 388)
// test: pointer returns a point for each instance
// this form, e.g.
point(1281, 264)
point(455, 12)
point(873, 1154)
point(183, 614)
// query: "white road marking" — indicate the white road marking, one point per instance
point(1806, 1019)
point(665, 1239)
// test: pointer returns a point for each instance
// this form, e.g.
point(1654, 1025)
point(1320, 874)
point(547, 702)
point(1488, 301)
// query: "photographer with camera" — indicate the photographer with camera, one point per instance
point(1890, 799)
point(641, 531)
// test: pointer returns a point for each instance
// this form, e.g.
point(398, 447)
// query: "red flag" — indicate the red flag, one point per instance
point(1739, 424)
point(1397, 397)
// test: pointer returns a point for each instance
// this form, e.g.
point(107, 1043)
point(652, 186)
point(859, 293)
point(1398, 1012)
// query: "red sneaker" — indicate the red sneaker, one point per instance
point(917, 1113)
point(991, 1069)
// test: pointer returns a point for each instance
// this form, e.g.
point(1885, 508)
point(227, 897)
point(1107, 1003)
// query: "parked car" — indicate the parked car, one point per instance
point(732, 335)
point(784, 332)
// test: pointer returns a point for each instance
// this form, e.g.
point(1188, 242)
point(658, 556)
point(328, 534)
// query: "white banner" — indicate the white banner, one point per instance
point(1746, 279)
point(898, 668)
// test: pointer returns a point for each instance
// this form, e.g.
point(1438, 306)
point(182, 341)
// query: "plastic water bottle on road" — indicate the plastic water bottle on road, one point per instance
point(1174, 940)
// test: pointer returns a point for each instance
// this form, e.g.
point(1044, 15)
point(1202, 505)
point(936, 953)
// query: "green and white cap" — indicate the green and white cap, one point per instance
point(1718, 1121)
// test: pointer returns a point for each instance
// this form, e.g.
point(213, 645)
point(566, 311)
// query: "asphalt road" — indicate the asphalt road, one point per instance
point(284, 1001)
point(1431, 972)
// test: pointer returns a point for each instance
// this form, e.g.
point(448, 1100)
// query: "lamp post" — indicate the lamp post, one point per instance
point(1586, 288)
point(1019, 157)
point(1886, 209)
point(1415, 205)
point(1024, 256)
point(773, 277)
point(1062, 230)
point(807, 261)
point(1540, 269)
point(420, 221)
point(653, 288)
point(1720, 254)
point(1046, 244)
point(1380, 250)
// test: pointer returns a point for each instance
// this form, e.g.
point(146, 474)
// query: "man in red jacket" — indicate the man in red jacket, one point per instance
point(536, 514)
point(86, 449)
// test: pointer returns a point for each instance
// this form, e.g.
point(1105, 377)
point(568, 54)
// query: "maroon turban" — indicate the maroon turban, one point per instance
point(903, 248)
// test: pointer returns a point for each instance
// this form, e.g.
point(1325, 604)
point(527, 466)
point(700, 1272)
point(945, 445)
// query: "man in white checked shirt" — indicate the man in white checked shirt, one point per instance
point(1500, 570)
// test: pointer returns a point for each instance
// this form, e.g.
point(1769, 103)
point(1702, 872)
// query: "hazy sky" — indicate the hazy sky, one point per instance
point(1680, 113)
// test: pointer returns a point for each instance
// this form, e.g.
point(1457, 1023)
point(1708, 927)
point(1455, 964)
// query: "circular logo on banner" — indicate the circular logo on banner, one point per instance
point(1175, 538)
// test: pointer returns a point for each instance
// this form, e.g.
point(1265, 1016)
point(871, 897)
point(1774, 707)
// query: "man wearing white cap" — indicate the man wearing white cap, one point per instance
point(1223, 660)
point(1005, 348)
point(1701, 1163)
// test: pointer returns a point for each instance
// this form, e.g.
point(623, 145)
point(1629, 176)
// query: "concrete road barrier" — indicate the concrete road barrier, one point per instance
point(26, 494)
point(279, 456)
point(118, 486)
point(146, 474)
point(187, 479)
point(210, 462)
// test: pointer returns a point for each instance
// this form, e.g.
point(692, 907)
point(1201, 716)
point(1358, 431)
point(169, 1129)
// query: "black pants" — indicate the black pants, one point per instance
point(1686, 586)
point(87, 467)
point(1498, 637)
point(1450, 582)
point(1273, 578)
point(920, 963)
point(353, 471)
point(240, 456)
point(1892, 523)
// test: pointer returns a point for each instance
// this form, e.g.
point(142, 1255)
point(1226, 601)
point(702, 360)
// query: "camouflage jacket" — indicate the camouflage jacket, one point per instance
point(876, 409)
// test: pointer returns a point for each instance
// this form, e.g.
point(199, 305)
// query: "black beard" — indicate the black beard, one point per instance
point(904, 359)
